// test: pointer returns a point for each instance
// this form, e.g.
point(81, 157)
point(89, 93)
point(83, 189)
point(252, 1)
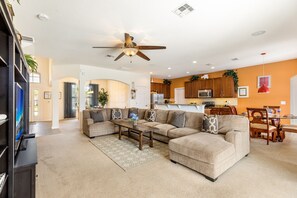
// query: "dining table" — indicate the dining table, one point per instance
point(276, 121)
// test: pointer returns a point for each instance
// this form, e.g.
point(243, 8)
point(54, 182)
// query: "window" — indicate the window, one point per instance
point(34, 77)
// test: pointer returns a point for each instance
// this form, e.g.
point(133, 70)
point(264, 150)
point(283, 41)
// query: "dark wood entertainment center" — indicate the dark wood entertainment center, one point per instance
point(16, 168)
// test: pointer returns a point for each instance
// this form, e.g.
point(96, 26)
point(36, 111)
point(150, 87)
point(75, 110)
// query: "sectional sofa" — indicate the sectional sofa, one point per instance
point(206, 153)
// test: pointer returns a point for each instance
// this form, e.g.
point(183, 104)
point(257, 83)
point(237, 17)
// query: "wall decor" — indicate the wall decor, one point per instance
point(243, 92)
point(47, 95)
point(264, 80)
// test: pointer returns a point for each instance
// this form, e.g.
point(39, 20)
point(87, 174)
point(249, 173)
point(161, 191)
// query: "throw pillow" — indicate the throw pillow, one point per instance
point(133, 111)
point(178, 119)
point(151, 116)
point(97, 116)
point(210, 124)
point(116, 114)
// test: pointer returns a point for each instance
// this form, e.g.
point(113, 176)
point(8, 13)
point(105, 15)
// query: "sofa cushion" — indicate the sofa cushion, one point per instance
point(210, 124)
point(203, 147)
point(178, 119)
point(161, 116)
point(170, 114)
point(108, 113)
point(142, 121)
point(141, 113)
point(116, 114)
point(152, 124)
point(194, 120)
point(229, 123)
point(125, 113)
point(164, 128)
point(151, 115)
point(102, 128)
point(98, 116)
point(180, 132)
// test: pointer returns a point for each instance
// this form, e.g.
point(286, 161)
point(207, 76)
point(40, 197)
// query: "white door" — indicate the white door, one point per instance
point(142, 98)
point(179, 95)
point(293, 98)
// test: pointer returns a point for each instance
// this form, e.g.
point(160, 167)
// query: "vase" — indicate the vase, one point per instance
point(134, 122)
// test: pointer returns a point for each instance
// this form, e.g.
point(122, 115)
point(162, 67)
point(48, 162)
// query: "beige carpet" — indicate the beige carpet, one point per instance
point(70, 166)
point(125, 152)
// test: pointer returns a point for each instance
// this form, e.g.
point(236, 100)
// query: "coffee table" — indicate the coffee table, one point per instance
point(139, 129)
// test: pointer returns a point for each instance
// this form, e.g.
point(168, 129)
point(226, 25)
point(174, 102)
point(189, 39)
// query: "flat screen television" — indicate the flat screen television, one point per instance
point(19, 115)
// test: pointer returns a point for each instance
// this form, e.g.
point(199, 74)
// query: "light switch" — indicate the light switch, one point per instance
point(283, 102)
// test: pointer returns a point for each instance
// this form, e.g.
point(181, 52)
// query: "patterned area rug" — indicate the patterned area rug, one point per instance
point(125, 152)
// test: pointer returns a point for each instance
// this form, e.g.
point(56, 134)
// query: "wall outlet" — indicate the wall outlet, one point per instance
point(283, 102)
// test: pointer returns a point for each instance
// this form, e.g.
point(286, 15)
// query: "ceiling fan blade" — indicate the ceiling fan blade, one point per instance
point(120, 56)
point(142, 55)
point(106, 47)
point(148, 47)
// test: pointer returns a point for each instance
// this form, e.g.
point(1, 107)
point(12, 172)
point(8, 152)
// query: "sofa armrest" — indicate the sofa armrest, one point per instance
point(90, 121)
point(241, 142)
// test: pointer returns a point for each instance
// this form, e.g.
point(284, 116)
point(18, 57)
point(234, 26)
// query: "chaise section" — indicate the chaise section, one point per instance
point(164, 128)
point(101, 128)
point(205, 153)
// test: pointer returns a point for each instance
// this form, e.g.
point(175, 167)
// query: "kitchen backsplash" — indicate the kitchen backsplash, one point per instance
point(218, 101)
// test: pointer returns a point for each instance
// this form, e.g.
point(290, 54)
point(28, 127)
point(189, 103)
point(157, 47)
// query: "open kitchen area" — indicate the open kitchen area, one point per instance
point(197, 95)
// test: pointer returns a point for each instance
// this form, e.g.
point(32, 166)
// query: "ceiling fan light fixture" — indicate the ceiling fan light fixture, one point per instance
point(130, 51)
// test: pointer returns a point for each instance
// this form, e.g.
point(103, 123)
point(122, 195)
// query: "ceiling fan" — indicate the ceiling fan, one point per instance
point(130, 48)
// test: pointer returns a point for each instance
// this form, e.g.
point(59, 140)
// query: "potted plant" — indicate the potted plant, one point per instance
point(194, 77)
point(33, 65)
point(103, 97)
point(234, 75)
point(166, 82)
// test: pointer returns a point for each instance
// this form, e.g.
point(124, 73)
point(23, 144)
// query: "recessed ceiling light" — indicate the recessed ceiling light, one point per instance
point(212, 67)
point(258, 33)
point(208, 64)
point(194, 62)
point(169, 76)
point(151, 72)
point(169, 68)
point(42, 17)
point(234, 59)
point(187, 72)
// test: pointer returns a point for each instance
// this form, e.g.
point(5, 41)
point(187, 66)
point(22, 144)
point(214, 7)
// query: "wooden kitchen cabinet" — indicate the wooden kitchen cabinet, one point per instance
point(161, 88)
point(217, 88)
point(227, 87)
point(188, 89)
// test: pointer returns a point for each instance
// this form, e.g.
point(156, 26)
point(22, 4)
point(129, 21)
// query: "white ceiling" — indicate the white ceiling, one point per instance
point(214, 33)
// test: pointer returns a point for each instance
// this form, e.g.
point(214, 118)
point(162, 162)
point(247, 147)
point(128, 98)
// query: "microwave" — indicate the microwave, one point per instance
point(205, 93)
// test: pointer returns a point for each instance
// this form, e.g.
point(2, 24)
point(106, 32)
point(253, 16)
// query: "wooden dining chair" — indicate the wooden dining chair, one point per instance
point(273, 110)
point(232, 110)
point(259, 123)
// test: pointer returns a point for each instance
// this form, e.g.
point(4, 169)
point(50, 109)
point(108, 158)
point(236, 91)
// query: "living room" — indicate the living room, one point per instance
point(151, 99)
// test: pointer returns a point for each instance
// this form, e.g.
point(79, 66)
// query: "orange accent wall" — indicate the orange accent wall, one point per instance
point(280, 73)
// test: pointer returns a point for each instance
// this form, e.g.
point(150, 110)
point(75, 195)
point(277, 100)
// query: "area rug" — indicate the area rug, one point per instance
point(126, 154)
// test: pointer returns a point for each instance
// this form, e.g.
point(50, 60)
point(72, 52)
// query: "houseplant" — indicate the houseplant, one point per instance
point(234, 75)
point(33, 65)
point(166, 82)
point(194, 77)
point(103, 97)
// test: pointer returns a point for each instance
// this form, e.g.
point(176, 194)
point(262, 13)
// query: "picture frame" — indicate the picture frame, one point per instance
point(264, 79)
point(47, 95)
point(243, 92)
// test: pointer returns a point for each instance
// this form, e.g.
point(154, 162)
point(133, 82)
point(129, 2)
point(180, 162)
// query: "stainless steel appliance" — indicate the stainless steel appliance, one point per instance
point(209, 104)
point(156, 99)
point(205, 93)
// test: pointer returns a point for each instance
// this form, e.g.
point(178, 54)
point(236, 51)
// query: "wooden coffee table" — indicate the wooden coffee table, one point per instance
point(139, 129)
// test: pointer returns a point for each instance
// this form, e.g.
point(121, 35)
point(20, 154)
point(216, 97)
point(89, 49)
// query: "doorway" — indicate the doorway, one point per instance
point(179, 95)
point(293, 93)
point(70, 100)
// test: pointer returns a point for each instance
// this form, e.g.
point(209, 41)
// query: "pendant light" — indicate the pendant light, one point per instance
point(264, 88)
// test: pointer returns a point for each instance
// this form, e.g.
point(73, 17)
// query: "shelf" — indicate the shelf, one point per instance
point(3, 184)
point(2, 150)
point(3, 121)
point(2, 62)
point(18, 75)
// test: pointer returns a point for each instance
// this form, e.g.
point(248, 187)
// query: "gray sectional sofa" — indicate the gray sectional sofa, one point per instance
point(206, 153)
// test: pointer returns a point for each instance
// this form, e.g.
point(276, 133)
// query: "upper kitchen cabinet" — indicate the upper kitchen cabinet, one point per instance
point(227, 87)
point(161, 89)
point(217, 88)
point(188, 89)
